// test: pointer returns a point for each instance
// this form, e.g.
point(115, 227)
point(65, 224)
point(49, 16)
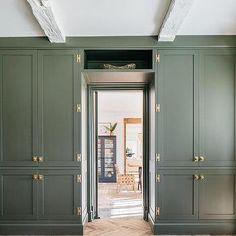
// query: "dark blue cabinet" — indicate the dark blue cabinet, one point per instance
point(106, 159)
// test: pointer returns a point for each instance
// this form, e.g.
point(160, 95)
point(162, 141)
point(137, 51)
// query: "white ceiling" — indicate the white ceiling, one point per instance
point(118, 18)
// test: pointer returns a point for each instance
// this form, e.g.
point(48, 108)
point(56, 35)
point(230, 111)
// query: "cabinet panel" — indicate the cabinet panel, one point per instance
point(18, 103)
point(59, 195)
point(217, 195)
point(59, 93)
point(177, 120)
point(217, 109)
point(177, 195)
point(18, 195)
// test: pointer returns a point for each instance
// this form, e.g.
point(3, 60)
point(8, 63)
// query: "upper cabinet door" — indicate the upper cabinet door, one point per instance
point(177, 96)
point(18, 108)
point(217, 108)
point(59, 95)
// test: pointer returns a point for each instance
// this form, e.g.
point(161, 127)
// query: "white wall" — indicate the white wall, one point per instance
point(114, 106)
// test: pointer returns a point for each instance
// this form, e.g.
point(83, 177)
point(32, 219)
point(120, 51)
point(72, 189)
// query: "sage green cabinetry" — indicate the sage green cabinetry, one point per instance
point(177, 96)
point(18, 196)
point(18, 107)
point(197, 194)
point(217, 108)
point(59, 194)
point(40, 175)
point(59, 94)
point(195, 173)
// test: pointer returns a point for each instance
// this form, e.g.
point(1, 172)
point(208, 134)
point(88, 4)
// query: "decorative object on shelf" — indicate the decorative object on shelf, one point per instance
point(111, 128)
point(128, 66)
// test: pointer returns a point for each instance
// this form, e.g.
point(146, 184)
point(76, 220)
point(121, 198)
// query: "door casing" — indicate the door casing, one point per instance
point(92, 187)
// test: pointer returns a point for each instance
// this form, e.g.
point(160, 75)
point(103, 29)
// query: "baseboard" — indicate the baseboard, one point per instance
point(39, 229)
point(194, 228)
point(151, 222)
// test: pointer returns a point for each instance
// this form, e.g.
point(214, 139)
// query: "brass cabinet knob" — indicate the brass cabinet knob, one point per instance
point(196, 177)
point(196, 159)
point(40, 177)
point(40, 159)
point(35, 177)
point(201, 158)
point(34, 158)
point(201, 177)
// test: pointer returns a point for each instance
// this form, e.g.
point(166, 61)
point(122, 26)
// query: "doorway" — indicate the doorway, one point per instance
point(119, 163)
point(119, 153)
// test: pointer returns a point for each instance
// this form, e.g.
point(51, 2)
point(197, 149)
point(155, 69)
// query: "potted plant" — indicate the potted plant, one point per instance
point(111, 128)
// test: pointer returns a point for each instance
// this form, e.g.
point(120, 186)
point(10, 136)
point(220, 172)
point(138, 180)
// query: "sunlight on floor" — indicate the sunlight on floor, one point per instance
point(115, 204)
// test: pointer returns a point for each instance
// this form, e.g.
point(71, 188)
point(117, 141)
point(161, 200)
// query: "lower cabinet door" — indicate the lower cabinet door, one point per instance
point(59, 194)
point(177, 195)
point(217, 194)
point(18, 195)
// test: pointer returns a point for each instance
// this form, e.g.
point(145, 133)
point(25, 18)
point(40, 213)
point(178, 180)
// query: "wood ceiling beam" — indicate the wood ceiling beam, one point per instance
point(42, 11)
point(174, 18)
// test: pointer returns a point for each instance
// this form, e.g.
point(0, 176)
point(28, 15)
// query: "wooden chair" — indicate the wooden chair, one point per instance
point(124, 180)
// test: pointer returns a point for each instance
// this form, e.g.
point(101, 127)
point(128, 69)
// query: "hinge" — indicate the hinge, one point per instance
point(158, 58)
point(79, 212)
point(158, 178)
point(79, 178)
point(158, 157)
point(157, 211)
point(78, 58)
point(78, 108)
point(78, 157)
point(158, 107)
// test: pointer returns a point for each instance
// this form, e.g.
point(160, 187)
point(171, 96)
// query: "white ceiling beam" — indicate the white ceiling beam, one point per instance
point(42, 11)
point(174, 18)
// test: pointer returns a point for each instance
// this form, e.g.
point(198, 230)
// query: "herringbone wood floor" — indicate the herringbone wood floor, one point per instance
point(132, 226)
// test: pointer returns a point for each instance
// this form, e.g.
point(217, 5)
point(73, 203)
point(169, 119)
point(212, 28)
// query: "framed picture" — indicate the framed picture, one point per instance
point(101, 128)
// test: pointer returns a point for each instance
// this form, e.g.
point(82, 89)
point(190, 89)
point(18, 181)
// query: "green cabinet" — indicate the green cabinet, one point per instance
point(217, 108)
point(177, 96)
point(177, 194)
point(59, 98)
point(18, 195)
point(40, 194)
point(59, 194)
point(197, 194)
point(217, 199)
point(18, 107)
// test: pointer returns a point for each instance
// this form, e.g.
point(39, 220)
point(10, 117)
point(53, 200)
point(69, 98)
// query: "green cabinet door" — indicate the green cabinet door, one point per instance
point(177, 193)
point(59, 194)
point(18, 107)
point(217, 108)
point(18, 195)
point(59, 94)
point(217, 194)
point(177, 96)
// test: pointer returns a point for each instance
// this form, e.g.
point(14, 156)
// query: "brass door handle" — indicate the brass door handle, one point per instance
point(201, 158)
point(196, 177)
point(34, 158)
point(40, 177)
point(201, 177)
point(40, 159)
point(196, 159)
point(35, 177)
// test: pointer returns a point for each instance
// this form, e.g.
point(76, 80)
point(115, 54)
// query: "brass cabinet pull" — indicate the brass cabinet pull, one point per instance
point(196, 177)
point(40, 177)
point(201, 158)
point(201, 177)
point(34, 158)
point(196, 159)
point(40, 159)
point(35, 177)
